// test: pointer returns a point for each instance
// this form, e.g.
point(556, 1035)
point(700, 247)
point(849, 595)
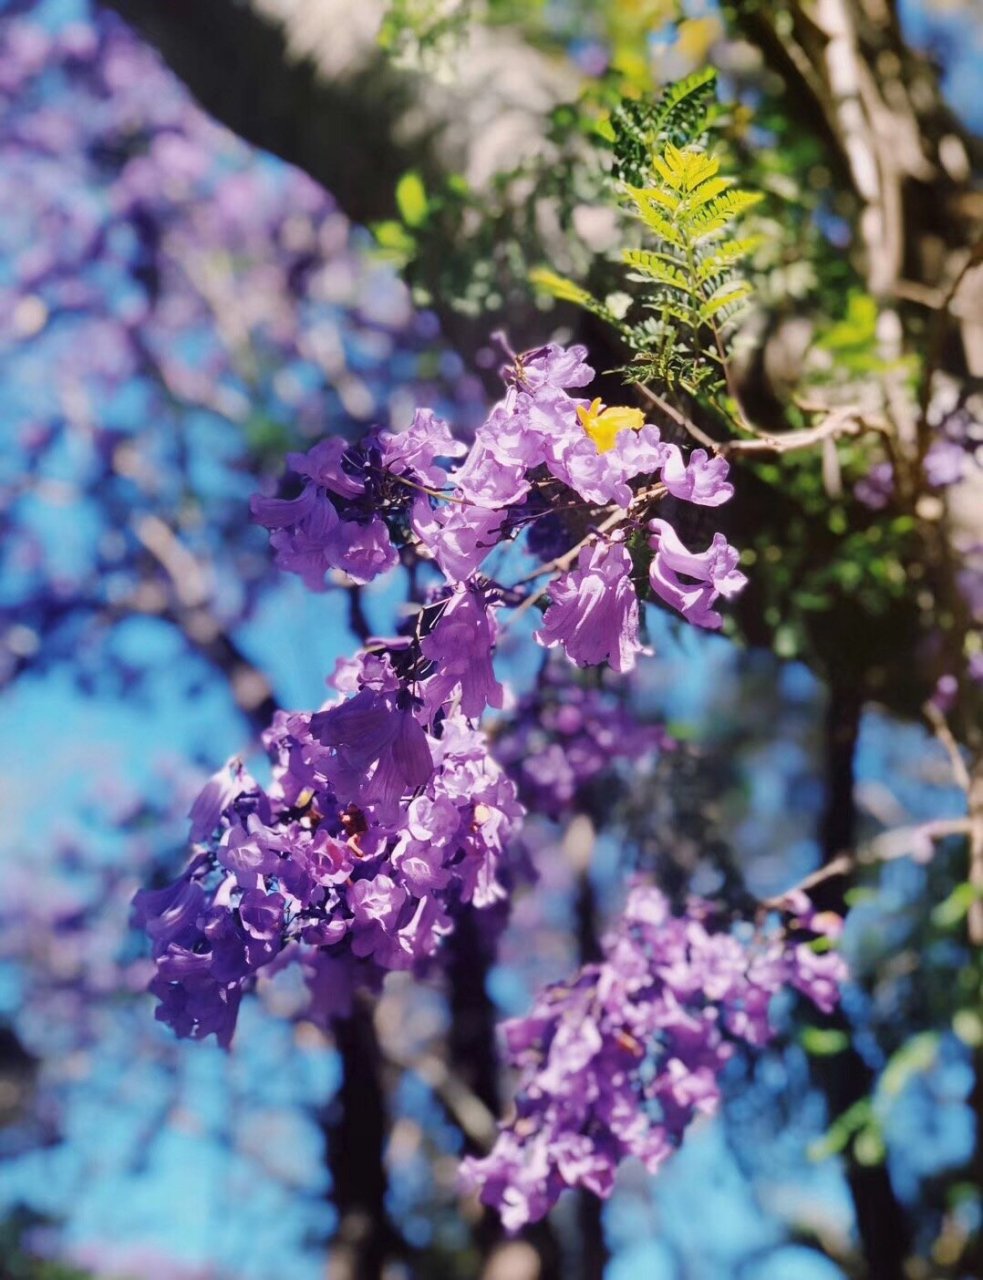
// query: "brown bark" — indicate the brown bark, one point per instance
point(845, 1078)
point(355, 1129)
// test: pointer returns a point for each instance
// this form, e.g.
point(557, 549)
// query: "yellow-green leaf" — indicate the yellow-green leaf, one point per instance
point(411, 199)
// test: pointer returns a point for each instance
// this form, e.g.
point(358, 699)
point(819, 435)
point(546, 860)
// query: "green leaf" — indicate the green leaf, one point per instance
point(684, 109)
point(968, 1026)
point(411, 199)
point(720, 213)
point(684, 169)
point(724, 298)
point(868, 1146)
point(561, 288)
point(914, 1057)
point(843, 1128)
point(953, 909)
point(706, 192)
point(605, 129)
point(725, 257)
point(823, 1042)
point(648, 202)
point(661, 267)
point(394, 240)
point(688, 265)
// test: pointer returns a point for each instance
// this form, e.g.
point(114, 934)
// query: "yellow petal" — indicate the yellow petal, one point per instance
point(605, 425)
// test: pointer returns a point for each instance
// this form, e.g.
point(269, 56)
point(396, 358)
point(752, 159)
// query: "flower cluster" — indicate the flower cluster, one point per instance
point(620, 1060)
point(564, 739)
point(350, 495)
point(386, 813)
point(952, 456)
point(378, 825)
point(542, 455)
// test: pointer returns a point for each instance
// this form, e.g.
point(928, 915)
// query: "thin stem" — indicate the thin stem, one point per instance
point(936, 339)
point(433, 493)
point(944, 734)
point(679, 418)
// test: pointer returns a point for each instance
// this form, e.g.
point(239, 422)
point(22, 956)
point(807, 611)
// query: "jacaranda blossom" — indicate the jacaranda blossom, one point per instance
point(618, 1061)
point(593, 612)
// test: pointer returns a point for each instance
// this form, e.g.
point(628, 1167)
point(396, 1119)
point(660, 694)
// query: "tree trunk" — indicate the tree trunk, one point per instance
point(354, 1127)
point(845, 1077)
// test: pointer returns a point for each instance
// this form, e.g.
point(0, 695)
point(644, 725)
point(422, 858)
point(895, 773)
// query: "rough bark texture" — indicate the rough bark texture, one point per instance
point(355, 1127)
point(472, 1050)
point(845, 1077)
point(306, 80)
point(594, 1251)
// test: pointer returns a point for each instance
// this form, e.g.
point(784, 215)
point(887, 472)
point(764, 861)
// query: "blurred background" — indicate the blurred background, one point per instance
point(179, 305)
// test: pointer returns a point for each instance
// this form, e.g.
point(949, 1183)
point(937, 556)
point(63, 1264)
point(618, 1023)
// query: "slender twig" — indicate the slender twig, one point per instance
point(936, 339)
point(679, 418)
point(442, 494)
point(888, 847)
point(187, 576)
point(944, 734)
point(841, 420)
point(460, 1102)
point(562, 563)
point(842, 865)
point(975, 796)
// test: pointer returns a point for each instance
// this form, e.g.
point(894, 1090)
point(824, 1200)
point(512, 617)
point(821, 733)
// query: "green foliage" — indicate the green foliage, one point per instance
point(846, 1128)
point(421, 32)
point(411, 199)
point(849, 348)
point(565, 290)
point(691, 287)
point(823, 1042)
point(914, 1058)
point(682, 116)
point(952, 911)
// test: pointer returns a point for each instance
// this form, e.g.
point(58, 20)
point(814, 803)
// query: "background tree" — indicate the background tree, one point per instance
point(856, 389)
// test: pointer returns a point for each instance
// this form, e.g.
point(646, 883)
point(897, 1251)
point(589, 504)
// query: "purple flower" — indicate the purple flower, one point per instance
point(566, 740)
point(381, 750)
point(414, 452)
point(620, 1060)
point(323, 464)
point(375, 905)
point(513, 435)
point(876, 488)
point(945, 693)
point(702, 479)
point(461, 646)
point(551, 366)
point(310, 539)
point(597, 477)
point(371, 836)
point(171, 914)
point(488, 479)
point(282, 513)
point(601, 475)
point(387, 816)
point(817, 975)
point(594, 610)
point(945, 463)
point(459, 537)
point(338, 521)
point(709, 574)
